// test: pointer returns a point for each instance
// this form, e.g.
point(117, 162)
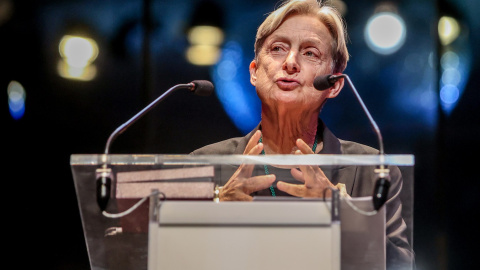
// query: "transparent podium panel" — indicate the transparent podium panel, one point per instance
point(163, 212)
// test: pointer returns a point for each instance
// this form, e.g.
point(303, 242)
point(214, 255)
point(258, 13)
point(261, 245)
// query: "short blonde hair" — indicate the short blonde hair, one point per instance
point(328, 15)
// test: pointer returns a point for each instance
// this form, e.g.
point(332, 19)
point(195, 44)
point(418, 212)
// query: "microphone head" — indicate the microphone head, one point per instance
point(322, 82)
point(380, 192)
point(202, 88)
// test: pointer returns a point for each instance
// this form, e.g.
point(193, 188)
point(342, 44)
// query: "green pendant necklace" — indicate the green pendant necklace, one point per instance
point(314, 147)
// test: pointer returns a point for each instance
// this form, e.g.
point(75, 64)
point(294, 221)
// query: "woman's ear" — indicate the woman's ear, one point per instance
point(253, 72)
point(336, 88)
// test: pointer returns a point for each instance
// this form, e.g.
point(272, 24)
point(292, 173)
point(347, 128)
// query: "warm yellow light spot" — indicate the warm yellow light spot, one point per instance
point(203, 55)
point(86, 73)
point(448, 30)
point(78, 51)
point(77, 54)
point(205, 35)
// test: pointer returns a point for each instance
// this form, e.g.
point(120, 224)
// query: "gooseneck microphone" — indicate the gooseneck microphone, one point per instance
point(104, 174)
point(201, 88)
point(382, 184)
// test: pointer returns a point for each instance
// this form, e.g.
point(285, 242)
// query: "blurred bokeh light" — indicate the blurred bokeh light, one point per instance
point(455, 61)
point(385, 32)
point(16, 99)
point(448, 29)
point(78, 54)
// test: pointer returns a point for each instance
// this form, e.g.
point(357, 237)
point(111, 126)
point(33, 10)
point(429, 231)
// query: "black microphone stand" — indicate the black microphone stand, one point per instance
point(104, 174)
point(382, 184)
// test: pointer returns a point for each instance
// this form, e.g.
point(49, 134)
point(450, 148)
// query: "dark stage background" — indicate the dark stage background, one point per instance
point(64, 117)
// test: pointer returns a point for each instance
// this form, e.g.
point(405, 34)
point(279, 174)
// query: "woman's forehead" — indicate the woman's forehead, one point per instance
point(306, 26)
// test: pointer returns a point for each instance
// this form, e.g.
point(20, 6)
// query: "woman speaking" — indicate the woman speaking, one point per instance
point(298, 42)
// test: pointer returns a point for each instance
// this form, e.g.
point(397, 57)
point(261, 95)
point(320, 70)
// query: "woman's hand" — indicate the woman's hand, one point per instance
point(313, 179)
point(242, 184)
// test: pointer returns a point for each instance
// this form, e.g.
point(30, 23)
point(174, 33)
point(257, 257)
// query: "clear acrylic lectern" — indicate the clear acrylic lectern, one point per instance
point(163, 214)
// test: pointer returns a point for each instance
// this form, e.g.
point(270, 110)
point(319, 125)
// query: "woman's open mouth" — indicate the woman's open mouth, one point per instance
point(287, 84)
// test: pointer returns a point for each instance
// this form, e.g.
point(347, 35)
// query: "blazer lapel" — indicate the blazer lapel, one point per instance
point(336, 174)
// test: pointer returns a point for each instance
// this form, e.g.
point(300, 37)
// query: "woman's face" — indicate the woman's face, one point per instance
point(288, 62)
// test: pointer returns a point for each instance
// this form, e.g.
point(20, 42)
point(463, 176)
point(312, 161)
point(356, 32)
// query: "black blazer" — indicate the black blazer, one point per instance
point(359, 182)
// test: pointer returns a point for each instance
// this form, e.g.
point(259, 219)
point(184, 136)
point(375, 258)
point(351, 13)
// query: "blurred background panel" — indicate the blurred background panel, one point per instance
point(73, 71)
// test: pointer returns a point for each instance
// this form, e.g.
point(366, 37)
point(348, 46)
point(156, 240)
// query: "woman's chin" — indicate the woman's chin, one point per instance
point(288, 99)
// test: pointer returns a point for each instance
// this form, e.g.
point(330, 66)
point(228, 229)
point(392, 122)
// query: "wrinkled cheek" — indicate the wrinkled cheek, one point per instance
point(265, 95)
point(263, 85)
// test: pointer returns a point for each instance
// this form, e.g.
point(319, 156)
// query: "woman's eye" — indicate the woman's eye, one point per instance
point(276, 49)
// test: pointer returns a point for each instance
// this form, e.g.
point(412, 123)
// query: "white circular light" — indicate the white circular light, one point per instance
point(78, 51)
point(385, 32)
point(449, 60)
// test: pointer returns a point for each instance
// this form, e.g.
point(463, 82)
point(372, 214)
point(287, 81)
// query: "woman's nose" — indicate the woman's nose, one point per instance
point(291, 64)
